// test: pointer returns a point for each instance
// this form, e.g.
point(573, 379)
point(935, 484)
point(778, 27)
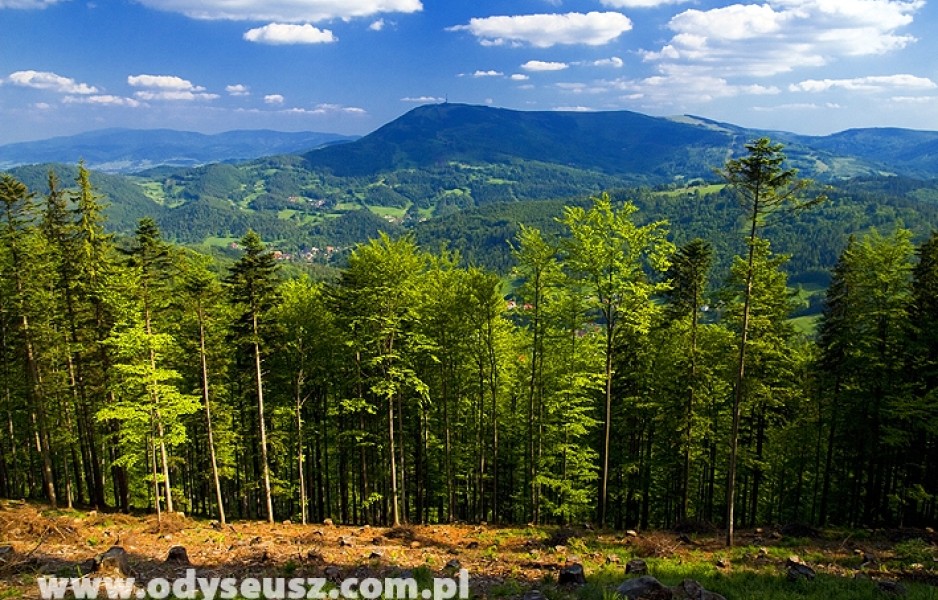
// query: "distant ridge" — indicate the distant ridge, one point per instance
point(609, 142)
point(622, 143)
point(129, 150)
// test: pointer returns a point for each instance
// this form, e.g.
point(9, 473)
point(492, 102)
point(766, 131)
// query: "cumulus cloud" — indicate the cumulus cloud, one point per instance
point(281, 34)
point(873, 83)
point(779, 36)
point(546, 30)
point(377, 25)
point(162, 82)
point(45, 80)
point(102, 100)
point(238, 90)
point(639, 3)
point(284, 11)
point(613, 61)
point(487, 74)
point(322, 109)
point(168, 87)
point(27, 4)
point(728, 50)
point(540, 65)
point(273, 99)
point(519, 77)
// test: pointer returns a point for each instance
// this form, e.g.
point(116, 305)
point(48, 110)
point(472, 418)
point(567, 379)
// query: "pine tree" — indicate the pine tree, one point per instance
point(764, 187)
point(253, 284)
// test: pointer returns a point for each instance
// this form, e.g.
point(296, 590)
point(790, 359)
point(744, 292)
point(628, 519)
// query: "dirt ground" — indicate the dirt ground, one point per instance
point(502, 562)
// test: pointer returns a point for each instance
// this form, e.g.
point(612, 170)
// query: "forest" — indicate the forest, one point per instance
point(624, 374)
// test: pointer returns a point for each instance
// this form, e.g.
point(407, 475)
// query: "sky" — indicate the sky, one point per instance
point(349, 66)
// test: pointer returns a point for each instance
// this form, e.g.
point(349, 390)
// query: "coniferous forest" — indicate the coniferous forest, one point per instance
point(615, 378)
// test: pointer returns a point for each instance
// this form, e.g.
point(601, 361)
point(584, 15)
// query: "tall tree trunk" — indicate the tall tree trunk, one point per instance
point(262, 427)
point(740, 378)
point(206, 400)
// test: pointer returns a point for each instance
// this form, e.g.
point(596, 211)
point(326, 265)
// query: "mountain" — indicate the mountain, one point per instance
point(464, 177)
point(617, 143)
point(130, 150)
point(626, 144)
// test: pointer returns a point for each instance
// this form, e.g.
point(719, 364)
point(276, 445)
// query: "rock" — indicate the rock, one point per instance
point(534, 595)
point(636, 566)
point(5, 553)
point(112, 563)
point(377, 541)
point(891, 587)
point(375, 555)
point(345, 542)
point(328, 523)
point(644, 588)
point(692, 590)
point(415, 544)
point(178, 555)
point(572, 574)
point(453, 564)
point(631, 533)
point(333, 573)
point(314, 555)
point(613, 559)
point(798, 570)
point(288, 522)
point(929, 531)
point(722, 564)
point(685, 540)
point(473, 545)
point(215, 525)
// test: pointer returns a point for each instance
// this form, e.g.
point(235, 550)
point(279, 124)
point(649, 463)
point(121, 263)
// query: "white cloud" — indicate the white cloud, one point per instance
point(423, 100)
point(103, 100)
point(174, 95)
point(913, 99)
point(639, 3)
point(573, 108)
point(613, 61)
point(323, 109)
point(779, 36)
point(797, 106)
point(273, 99)
point(546, 30)
point(27, 4)
point(487, 74)
point(286, 33)
point(540, 65)
point(866, 84)
point(519, 77)
point(377, 25)
point(169, 88)
point(45, 80)
point(238, 90)
point(163, 82)
point(284, 11)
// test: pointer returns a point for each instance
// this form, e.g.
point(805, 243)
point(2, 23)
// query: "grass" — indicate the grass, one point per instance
point(806, 324)
point(712, 188)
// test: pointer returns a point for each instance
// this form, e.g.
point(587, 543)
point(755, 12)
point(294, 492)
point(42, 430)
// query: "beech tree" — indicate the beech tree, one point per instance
point(611, 257)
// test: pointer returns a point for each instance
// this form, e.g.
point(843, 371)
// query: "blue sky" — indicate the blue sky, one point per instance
point(349, 66)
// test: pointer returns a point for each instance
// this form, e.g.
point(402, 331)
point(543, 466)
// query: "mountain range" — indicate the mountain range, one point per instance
point(129, 150)
point(464, 176)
